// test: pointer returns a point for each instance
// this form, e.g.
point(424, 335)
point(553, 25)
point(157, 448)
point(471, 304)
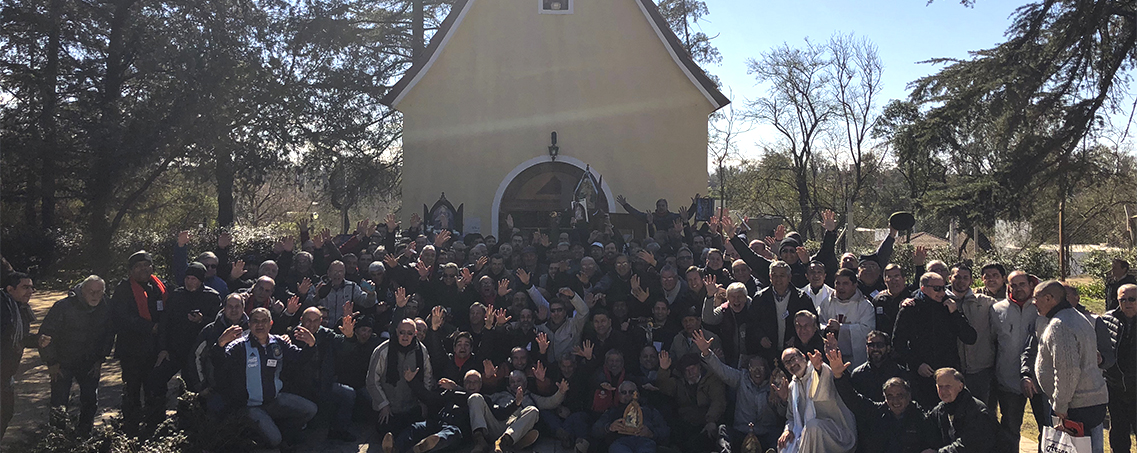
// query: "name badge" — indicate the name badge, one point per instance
point(253, 362)
point(271, 363)
point(785, 314)
point(161, 305)
point(880, 310)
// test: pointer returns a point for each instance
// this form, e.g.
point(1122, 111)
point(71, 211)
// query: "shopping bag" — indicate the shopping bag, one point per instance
point(1055, 441)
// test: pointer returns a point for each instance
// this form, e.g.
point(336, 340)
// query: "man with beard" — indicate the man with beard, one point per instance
point(978, 359)
point(894, 424)
point(1012, 323)
point(136, 307)
point(868, 378)
point(390, 393)
point(887, 302)
point(250, 369)
point(15, 335)
point(181, 321)
point(817, 419)
point(849, 316)
point(928, 334)
point(79, 327)
point(753, 411)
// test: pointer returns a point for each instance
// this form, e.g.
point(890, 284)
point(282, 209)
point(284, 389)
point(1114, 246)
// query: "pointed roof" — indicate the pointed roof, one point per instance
point(461, 7)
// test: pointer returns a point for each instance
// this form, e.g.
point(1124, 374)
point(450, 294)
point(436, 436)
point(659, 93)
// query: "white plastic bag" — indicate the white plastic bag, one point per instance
point(1055, 441)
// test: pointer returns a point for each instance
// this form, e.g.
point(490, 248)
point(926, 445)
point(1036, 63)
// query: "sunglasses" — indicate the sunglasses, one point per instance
point(937, 288)
point(627, 392)
point(1127, 299)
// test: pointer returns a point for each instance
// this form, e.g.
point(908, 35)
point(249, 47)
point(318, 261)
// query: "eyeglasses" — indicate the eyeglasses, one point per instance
point(937, 288)
point(556, 310)
point(1127, 299)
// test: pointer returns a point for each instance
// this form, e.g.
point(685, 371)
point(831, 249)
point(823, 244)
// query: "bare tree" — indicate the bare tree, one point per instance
point(799, 104)
point(856, 84)
point(726, 126)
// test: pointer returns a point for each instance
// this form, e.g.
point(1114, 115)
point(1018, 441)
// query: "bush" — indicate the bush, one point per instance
point(1098, 262)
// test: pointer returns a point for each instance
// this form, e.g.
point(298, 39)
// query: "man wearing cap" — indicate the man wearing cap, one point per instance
point(137, 307)
point(181, 322)
point(700, 399)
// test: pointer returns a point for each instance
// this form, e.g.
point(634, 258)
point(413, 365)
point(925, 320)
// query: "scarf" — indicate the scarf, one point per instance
point(394, 349)
point(141, 299)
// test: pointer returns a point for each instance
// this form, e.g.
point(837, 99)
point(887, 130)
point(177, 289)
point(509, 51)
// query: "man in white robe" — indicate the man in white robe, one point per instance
point(817, 420)
point(848, 315)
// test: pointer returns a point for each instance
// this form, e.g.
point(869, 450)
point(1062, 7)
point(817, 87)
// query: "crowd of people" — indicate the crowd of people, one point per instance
point(722, 339)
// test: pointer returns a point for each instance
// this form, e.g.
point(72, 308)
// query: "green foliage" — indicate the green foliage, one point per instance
point(684, 16)
point(1037, 261)
point(1098, 263)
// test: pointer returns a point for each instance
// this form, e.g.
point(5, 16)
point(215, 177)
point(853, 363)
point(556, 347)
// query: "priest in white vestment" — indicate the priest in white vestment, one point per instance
point(817, 419)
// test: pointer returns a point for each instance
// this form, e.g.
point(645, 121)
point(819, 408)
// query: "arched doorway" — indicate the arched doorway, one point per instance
point(539, 187)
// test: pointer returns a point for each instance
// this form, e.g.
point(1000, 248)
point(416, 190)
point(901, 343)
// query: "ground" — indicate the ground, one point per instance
point(33, 393)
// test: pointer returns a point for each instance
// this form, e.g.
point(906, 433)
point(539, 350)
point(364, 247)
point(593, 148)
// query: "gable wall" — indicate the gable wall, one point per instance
point(509, 76)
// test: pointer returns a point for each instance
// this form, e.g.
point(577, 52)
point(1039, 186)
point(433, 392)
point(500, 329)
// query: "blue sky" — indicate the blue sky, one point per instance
point(904, 31)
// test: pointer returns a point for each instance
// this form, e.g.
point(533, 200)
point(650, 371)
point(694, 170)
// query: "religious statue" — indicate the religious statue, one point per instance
point(633, 417)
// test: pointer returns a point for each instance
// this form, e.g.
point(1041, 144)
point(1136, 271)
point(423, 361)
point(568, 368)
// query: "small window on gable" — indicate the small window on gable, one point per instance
point(555, 6)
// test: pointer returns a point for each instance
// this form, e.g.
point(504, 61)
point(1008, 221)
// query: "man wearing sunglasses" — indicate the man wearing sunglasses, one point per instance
point(1121, 378)
point(927, 336)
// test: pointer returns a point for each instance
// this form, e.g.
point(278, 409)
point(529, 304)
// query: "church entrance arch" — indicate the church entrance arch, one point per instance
point(539, 186)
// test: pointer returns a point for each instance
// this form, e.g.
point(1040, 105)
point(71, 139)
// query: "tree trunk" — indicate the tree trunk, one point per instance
point(49, 145)
point(346, 223)
point(802, 183)
point(225, 175)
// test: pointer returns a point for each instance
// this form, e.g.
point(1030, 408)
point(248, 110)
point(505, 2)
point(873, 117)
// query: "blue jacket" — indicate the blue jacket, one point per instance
point(250, 372)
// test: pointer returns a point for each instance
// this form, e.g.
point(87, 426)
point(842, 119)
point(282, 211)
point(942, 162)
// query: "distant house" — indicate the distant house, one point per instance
point(498, 77)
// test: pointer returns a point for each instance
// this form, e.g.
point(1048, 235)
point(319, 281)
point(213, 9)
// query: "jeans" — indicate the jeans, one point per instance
point(88, 380)
point(337, 401)
point(1122, 417)
point(447, 435)
point(632, 444)
point(135, 374)
point(286, 410)
point(1013, 405)
point(576, 424)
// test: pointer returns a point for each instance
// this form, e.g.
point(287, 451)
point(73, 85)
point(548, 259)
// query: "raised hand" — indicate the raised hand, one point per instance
point(409, 375)
point(480, 263)
point(391, 261)
point(184, 237)
point(544, 240)
point(802, 255)
point(831, 342)
point(522, 276)
point(701, 341)
point(637, 291)
point(780, 232)
point(582, 277)
point(828, 220)
point(920, 256)
point(347, 325)
point(409, 251)
point(224, 240)
point(423, 270)
point(563, 386)
point(401, 297)
point(539, 371)
point(647, 257)
point(436, 317)
point(465, 278)
point(620, 199)
point(293, 305)
point(441, 239)
point(711, 282)
point(238, 270)
point(490, 369)
point(304, 336)
point(392, 223)
point(325, 236)
point(836, 364)
point(503, 287)
point(664, 360)
point(727, 224)
point(542, 342)
point(567, 292)
point(584, 350)
point(502, 317)
point(232, 333)
point(447, 384)
point(816, 359)
point(489, 317)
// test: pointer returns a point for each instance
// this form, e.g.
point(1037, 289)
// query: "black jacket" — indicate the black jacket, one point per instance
point(15, 334)
point(176, 333)
point(81, 335)
point(927, 333)
point(1123, 333)
point(965, 426)
point(205, 356)
point(765, 305)
point(135, 335)
point(879, 431)
point(868, 380)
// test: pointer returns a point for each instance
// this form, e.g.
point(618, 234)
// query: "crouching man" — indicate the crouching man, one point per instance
point(250, 374)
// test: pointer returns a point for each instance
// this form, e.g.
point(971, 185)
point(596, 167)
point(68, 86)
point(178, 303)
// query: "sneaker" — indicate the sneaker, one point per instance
point(427, 444)
point(528, 439)
point(388, 443)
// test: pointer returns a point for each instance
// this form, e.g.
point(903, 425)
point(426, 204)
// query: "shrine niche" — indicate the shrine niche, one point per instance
point(443, 216)
point(551, 187)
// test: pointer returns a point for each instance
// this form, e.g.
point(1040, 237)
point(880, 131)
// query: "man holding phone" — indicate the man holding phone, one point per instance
point(179, 326)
